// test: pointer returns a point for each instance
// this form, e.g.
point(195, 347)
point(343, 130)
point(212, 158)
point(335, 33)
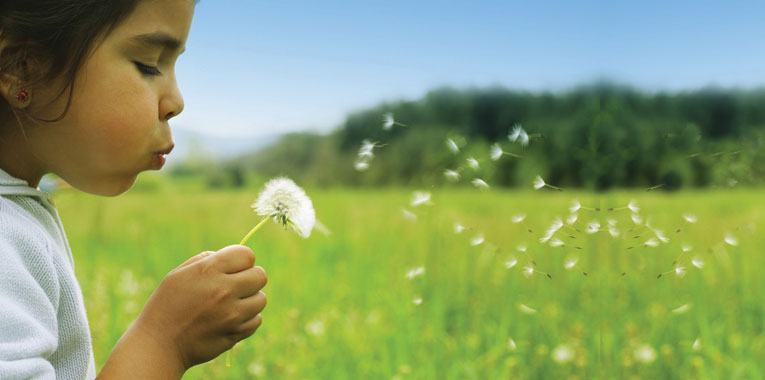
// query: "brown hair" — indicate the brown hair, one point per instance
point(52, 38)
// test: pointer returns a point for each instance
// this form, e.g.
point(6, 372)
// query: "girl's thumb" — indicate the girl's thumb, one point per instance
point(196, 258)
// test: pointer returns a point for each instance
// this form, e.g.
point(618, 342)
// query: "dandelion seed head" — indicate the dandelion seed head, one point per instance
point(496, 152)
point(633, 206)
point(458, 228)
point(287, 204)
point(528, 271)
point(516, 132)
point(680, 271)
point(526, 309)
point(472, 162)
point(452, 146)
point(481, 184)
point(592, 227)
point(538, 183)
point(731, 240)
point(388, 120)
point(575, 206)
point(697, 262)
point(451, 175)
point(511, 262)
point(523, 138)
point(690, 218)
point(563, 354)
point(365, 152)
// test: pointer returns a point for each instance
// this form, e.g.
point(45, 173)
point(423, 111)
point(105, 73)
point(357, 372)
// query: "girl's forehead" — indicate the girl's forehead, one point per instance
point(170, 20)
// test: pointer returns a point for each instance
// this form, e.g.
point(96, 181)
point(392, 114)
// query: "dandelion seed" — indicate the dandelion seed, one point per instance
point(528, 271)
point(511, 345)
point(408, 215)
point(687, 248)
point(365, 152)
point(421, 198)
point(287, 204)
point(652, 243)
point(472, 163)
point(458, 228)
point(523, 138)
point(613, 232)
point(592, 227)
point(517, 218)
point(633, 206)
point(682, 309)
point(477, 240)
point(697, 262)
point(451, 175)
point(556, 243)
point(575, 206)
point(571, 219)
point(481, 184)
point(515, 134)
point(637, 219)
point(496, 152)
point(556, 225)
point(417, 301)
point(315, 328)
point(731, 240)
point(690, 218)
point(571, 262)
point(563, 354)
point(521, 247)
point(526, 309)
point(389, 121)
point(644, 353)
point(361, 165)
point(511, 262)
point(696, 344)
point(538, 183)
point(452, 146)
point(415, 272)
point(659, 234)
point(679, 271)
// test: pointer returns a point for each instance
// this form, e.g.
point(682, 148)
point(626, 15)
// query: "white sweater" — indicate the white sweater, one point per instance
point(44, 331)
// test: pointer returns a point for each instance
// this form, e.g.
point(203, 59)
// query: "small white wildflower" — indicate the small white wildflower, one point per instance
point(472, 162)
point(452, 146)
point(563, 354)
point(511, 345)
point(592, 227)
point(690, 218)
point(528, 270)
point(571, 262)
point(571, 219)
point(496, 152)
point(682, 309)
point(458, 228)
point(637, 219)
point(697, 262)
point(517, 218)
point(696, 344)
point(481, 184)
point(644, 353)
point(575, 206)
point(415, 272)
point(556, 242)
point(511, 262)
point(408, 215)
point(538, 183)
point(451, 175)
point(731, 240)
point(477, 240)
point(421, 198)
point(652, 242)
point(633, 206)
point(526, 309)
point(417, 301)
point(680, 271)
point(287, 204)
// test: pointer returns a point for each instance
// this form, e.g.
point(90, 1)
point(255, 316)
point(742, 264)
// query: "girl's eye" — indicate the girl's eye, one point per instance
point(148, 70)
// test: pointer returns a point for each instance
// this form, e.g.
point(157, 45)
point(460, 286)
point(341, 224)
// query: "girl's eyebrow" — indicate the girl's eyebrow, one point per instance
point(159, 39)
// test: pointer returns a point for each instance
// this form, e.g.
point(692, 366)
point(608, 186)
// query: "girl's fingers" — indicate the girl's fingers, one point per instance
point(249, 281)
point(252, 306)
point(249, 327)
point(234, 258)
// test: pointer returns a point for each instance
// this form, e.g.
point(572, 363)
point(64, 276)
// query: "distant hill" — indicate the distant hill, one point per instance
point(192, 145)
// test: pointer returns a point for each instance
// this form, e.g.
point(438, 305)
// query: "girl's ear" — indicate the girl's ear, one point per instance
point(11, 87)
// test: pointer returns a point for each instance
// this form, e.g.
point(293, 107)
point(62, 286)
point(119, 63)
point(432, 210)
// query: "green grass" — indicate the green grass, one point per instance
point(341, 307)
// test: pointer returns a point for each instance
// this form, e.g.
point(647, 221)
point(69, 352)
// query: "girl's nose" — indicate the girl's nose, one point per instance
point(171, 104)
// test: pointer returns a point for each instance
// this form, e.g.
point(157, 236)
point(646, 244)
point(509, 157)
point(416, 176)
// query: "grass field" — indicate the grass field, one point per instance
point(342, 307)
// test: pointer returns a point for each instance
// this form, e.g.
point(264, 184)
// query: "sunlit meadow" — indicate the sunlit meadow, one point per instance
point(452, 285)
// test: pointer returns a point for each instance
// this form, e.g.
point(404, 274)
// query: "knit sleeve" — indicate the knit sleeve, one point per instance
point(29, 296)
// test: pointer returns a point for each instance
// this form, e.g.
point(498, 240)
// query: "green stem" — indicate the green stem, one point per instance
point(252, 231)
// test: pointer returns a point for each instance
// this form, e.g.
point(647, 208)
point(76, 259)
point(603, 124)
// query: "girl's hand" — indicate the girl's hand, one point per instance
point(206, 305)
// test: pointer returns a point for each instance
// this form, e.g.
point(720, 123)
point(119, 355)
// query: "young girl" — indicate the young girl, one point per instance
point(88, 88)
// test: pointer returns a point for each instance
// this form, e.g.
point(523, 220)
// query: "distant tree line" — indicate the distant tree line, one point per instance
point(597, 136)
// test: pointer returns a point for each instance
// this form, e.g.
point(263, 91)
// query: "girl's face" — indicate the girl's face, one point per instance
point(124, 95)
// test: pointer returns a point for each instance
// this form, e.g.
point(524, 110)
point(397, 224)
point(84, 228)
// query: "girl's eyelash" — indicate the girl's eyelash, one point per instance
point(148, 70)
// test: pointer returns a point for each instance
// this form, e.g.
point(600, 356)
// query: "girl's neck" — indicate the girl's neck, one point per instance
point(15, 157)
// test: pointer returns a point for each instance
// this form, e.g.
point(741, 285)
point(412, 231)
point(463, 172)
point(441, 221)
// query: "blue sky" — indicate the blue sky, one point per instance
point(258, 68)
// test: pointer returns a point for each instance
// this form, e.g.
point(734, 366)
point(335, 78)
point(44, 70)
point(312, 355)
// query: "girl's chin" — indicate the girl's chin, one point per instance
point(108, 188)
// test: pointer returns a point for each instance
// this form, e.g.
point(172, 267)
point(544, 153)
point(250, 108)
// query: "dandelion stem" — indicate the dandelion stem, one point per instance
point(554, 187)
point(252, 231)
